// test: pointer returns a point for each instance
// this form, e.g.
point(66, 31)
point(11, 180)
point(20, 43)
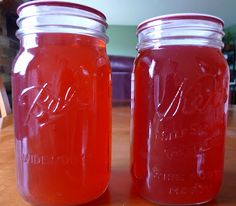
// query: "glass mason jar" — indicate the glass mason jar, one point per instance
point(179, 105)
point(62, 103)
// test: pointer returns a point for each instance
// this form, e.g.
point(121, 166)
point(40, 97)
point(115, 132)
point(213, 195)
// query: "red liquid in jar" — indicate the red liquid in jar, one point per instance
point(62, 115)
point(179, 123)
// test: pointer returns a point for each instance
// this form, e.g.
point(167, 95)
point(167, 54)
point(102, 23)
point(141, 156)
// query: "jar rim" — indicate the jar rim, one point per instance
point(61, 3)
point(181, 29)
point(60, 16)
point(178, 16)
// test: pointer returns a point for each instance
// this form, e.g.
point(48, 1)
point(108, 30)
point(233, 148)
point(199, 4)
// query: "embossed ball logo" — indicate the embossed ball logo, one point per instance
point(44, 103)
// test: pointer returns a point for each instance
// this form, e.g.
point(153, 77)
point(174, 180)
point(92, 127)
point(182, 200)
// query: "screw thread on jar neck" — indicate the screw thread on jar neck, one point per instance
point(53, 16)
point(181, 29)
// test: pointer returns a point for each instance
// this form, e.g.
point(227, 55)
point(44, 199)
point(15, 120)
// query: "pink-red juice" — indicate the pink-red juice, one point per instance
point(178, 123)
point(62, 115)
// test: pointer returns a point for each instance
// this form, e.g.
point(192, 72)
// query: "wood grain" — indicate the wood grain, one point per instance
point(120, 191)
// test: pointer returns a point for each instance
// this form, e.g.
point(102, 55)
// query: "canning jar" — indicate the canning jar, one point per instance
point(179, 104)
point(62, 103)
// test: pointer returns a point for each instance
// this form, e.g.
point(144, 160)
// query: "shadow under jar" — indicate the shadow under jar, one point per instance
point(62, 103)
point(179, 105)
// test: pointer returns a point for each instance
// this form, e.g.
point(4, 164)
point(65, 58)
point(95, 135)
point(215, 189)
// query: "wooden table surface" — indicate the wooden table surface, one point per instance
point(120, 191)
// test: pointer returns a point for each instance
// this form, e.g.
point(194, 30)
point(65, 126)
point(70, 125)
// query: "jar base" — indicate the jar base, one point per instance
point(175, 204)
point(32, 202)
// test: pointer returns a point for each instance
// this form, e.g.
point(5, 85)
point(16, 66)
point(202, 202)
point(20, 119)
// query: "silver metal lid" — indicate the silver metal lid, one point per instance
point(57, 16)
